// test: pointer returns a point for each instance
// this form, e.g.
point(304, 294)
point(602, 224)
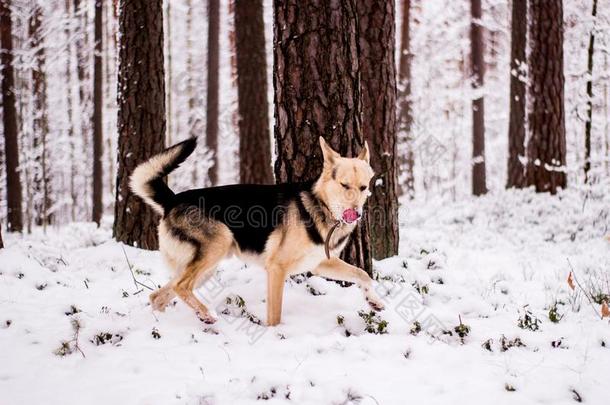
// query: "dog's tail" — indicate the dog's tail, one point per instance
point(147, 179)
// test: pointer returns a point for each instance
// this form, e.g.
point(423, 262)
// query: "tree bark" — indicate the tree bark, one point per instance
point(479, 186)
point(211, 130)
point(9, 118)
point(141, 116)
point(317, 93)
point(547, 140)
point(1, 243)
point(405, 119)
point(376, 43)
point(254, 141)
point(97, 184)
point(588, 123)
point(516, 125)
point(40, 124)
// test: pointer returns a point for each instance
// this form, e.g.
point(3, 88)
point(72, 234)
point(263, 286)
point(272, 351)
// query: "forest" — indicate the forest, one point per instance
point(486, 230)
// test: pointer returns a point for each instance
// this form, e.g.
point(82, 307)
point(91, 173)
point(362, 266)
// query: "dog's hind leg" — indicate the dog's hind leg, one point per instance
point(161, 297)
point(212, 251)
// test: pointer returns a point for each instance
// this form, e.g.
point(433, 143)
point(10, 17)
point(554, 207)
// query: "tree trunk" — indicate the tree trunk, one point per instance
point(376, 43)
point(254, 141)
point(211, 129)
point(98, 188)
point(141, 117)
point(406, 159)
point(40, 125)
point(547, 140)
point(9, 118)
point(588, 123)
point(516, 125)
point(479, 186)
point(317, 93)
point(1, 243)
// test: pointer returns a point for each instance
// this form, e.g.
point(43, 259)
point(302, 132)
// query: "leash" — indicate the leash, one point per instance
point(328, 235)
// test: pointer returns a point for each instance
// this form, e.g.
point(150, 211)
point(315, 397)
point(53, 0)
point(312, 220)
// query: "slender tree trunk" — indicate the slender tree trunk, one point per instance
point(1, 242)
point(9, 118)
point(168, 73)
point(317, 93)
point(42, 182)
point(212, 99)
point(547, 141)
point(254, 141)
point(479, 186)
point(376, 44)
point(98, 137)
point(588, 123)
point(141, 117)
point(516, 125)
point(405, 119)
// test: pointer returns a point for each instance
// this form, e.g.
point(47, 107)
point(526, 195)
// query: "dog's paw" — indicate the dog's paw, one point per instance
point(206, 318)
point(376, 304)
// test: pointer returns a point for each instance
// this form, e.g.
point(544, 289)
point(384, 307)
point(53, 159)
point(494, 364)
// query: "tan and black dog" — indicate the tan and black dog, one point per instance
point(283, 227)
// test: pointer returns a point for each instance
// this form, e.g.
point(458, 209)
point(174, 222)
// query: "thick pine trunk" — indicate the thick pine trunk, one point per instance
point(141, 116)
point(40, 124)
point(589, 120)
point(516, 125)
point(547, 139)
point(317, 93)
point(97, 184)
point(479, 186)
point(406, 159)
point(254, 141)
point(211, 130)
point(9, 118)
point(378, 94)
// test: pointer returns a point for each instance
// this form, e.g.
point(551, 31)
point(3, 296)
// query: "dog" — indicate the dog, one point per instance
point(283, 227)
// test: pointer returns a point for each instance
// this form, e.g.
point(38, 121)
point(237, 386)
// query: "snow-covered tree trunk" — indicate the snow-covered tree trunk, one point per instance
point(313, 66)
point(141, 117)
point(376, 45)
point(98, 136)
point(9, 118)
point(479, 186)
point(212, 88)
point(254, 136)
point(516, 125)
point(546, 168)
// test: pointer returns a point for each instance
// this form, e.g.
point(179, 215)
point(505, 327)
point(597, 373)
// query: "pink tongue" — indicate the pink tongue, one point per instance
point(350, 215)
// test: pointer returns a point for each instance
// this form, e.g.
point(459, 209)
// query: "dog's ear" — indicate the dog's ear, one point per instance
point(364, 153)
point(329, 154)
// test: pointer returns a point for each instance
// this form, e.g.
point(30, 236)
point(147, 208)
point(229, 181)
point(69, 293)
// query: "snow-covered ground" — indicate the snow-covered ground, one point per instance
point(76, 326)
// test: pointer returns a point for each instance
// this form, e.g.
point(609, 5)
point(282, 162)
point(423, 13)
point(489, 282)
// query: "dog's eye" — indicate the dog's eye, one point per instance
point(362, 188)
point(345, 186)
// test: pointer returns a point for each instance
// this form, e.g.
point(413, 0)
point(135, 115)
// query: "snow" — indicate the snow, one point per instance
point(489, 261)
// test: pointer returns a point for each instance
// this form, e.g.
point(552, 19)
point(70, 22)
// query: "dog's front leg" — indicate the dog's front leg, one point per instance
point(337, 269)
point(275, 289)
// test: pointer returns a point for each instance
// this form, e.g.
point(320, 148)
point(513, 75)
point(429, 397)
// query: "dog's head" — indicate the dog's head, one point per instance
point(344, 183)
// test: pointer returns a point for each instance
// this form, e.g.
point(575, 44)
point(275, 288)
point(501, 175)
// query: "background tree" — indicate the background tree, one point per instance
point(254, 141)
point(40, 124)
point(376, 45)
point(589, 120)
point(141, 117)
point(317, 93)
point(9, 118)
point(406, 158)
point(211, 129)
point(479, 186)
point(97, 184)
point(547, 141)
point(1, 243)
point(516, 123)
